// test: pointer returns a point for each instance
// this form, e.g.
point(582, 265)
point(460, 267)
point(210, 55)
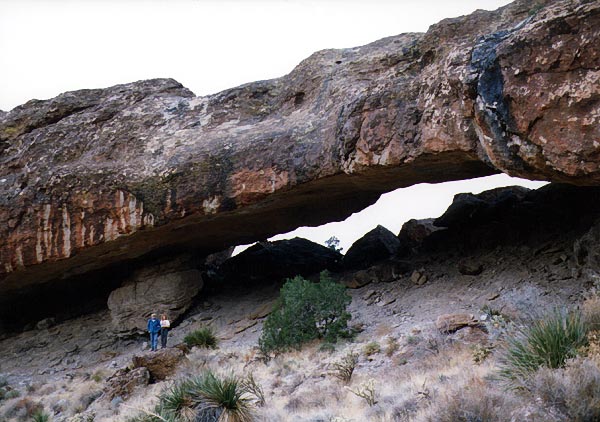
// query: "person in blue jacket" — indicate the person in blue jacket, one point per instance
point(154, 330)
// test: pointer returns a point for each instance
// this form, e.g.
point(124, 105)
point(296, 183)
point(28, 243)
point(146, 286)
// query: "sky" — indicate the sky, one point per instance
point(52, 46)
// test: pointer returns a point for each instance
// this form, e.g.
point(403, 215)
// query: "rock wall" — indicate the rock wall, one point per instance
point(96, 177)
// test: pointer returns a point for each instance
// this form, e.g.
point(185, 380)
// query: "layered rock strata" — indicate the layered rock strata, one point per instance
point(96, 177)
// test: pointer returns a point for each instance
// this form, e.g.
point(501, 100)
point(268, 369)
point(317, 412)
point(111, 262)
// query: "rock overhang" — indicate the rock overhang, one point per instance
point(97, 177)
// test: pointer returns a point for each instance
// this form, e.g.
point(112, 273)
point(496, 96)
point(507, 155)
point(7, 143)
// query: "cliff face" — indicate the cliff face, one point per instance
point(96, 177)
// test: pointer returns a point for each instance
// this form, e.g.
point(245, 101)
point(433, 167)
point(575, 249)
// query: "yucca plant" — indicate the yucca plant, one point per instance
point(203, 337)
point(546, 343)
point(177, 401)
point(205, 398)
point(221, 399)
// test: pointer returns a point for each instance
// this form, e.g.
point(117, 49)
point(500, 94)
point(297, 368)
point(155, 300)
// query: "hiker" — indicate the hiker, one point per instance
point(154, 330)
point(165, 324)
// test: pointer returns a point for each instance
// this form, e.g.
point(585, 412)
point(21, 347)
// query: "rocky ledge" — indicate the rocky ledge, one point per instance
point(98, 177)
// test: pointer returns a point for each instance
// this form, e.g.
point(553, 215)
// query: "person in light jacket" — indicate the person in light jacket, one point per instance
point(165, 325)
point(154, 330)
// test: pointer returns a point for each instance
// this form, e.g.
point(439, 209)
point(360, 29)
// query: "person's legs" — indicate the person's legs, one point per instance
point(163, 337)
point(154, 341)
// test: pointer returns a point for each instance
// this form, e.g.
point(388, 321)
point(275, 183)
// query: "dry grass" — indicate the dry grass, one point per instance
point(371, 348)
point(573, 391)
point(474, 399)
point(420, 375)
point(591, 312)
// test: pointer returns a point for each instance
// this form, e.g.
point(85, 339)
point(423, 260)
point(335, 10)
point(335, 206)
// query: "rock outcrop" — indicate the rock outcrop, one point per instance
point(376, 245)
point(103, 176)
point(164, 288)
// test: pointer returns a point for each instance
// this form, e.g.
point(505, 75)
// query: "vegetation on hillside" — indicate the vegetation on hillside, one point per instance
point(306, 311)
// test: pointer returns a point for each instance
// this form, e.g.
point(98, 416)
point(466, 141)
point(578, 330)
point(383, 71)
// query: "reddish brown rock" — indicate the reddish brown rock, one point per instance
point(414, 232)
point(160, 364)
point(95, 177)
point(450, 323)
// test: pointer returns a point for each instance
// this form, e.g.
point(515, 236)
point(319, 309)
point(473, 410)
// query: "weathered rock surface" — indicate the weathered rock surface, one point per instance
point(160, 364)
point(466, 267)
point(273, 261)
point(95, 177)
point(449, 323)
point(162, 288)
point(586, 251)
point(468, 209)
point(376, 245)
point(123, 382)
point(414, 232)
point(419, 277)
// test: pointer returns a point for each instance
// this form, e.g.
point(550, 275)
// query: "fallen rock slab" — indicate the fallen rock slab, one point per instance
point(450, 323)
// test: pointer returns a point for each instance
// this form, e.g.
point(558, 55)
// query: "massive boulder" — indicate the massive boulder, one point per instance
point(376, 245)
point(160, 364)
point(97, 177)
point(168, 287)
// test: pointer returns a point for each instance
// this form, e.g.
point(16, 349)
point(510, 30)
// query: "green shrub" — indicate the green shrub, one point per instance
point(546, 343)
point(481, 352)
point(203, 337)
point(40, 416)
point(391, 347)
point(413, 340)
point(306, 311)
point(371, 348)
point(327, 347)
point(490, 311)
point(98, 376)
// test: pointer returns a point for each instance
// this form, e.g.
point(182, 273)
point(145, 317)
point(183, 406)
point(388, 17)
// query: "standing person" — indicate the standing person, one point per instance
point(154, 330)
point(165, 324)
